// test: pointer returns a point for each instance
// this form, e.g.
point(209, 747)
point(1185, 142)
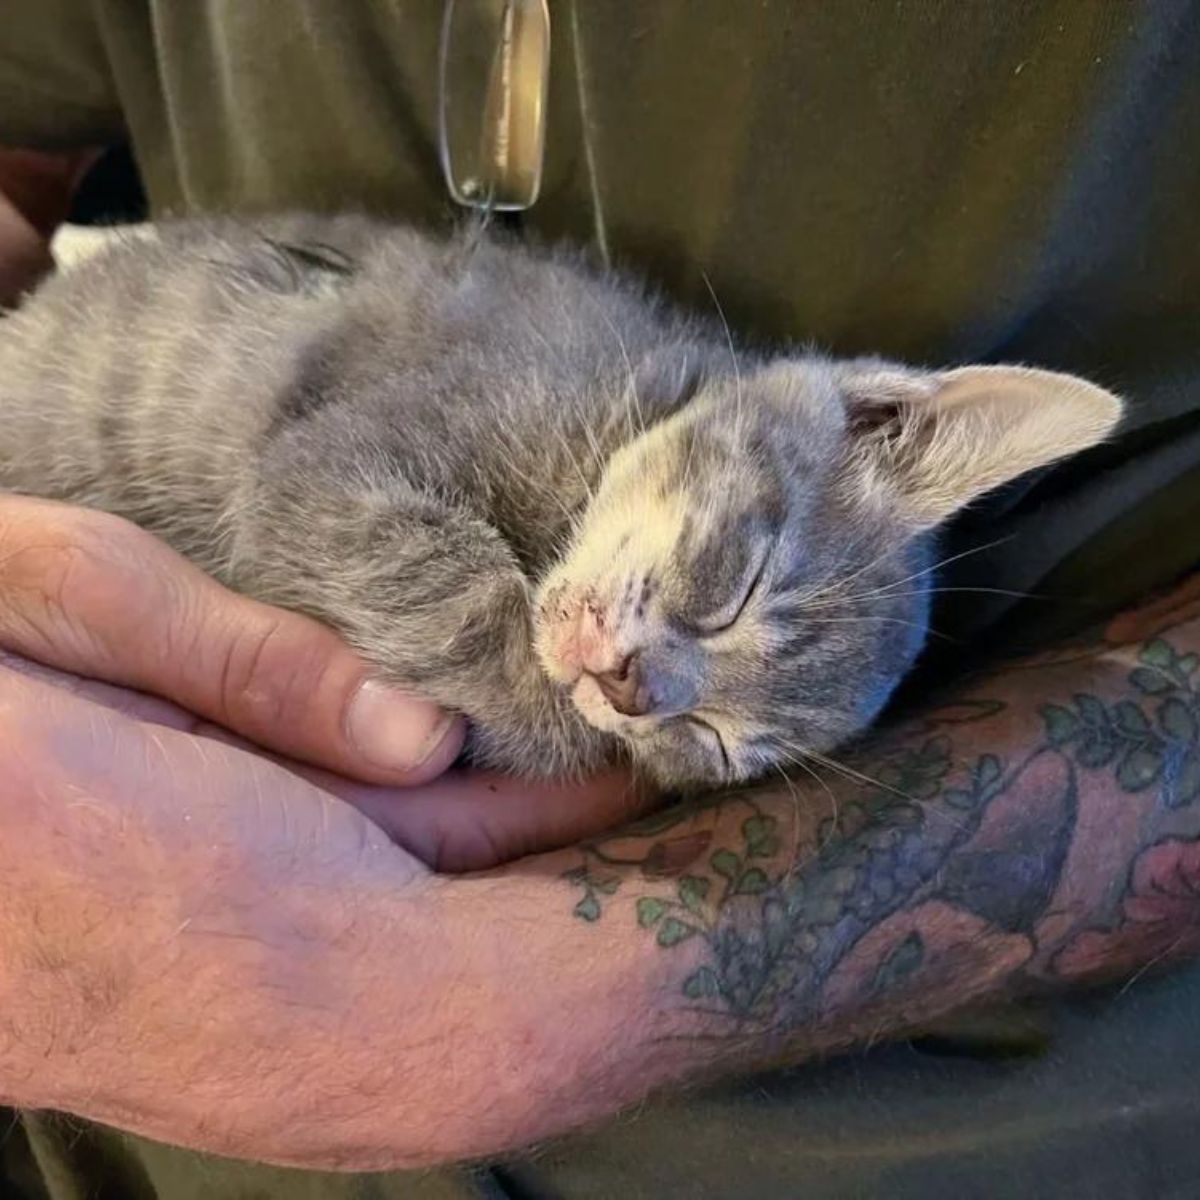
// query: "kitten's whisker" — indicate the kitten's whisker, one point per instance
point(807, 620)
point(885, 552)
point(687, 466)
point(986, 591)
point(834, 594)
point(850, 773)
point(791, 749)
point(737, 369)
point(633, 403)
point(832, 585)
point(834, 808)
point(884, 594)
point(598, 459)
point(953, 558)
point(860, 777)
point(566, 445)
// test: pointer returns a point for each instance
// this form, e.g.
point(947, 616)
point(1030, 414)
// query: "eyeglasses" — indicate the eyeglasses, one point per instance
point(492, 81)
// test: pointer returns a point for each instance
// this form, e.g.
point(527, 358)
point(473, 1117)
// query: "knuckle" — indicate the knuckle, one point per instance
point(59, 566)
point(269, 676)
point(47, 553)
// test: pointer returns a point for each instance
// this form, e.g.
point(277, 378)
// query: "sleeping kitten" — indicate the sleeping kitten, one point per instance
point(522, 487)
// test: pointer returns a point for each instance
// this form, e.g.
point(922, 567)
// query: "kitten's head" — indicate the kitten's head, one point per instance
point(750, 581)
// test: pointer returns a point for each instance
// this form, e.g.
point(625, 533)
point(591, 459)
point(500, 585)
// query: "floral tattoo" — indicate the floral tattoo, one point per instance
point(996, 844)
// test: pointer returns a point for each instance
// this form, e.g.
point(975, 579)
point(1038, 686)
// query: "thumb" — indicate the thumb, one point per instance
point(89, 593)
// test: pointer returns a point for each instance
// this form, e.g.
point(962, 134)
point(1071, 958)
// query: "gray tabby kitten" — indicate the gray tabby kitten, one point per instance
point(520, 486)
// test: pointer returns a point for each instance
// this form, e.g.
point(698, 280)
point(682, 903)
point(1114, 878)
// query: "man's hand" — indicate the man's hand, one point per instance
point(204, 942)
point(88, 594)
point(200, 946)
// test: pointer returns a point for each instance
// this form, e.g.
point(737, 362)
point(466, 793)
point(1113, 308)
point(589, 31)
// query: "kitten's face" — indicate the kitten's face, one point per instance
point(726, 606)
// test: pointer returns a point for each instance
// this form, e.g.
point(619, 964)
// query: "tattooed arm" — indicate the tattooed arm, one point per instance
point(1040, 828)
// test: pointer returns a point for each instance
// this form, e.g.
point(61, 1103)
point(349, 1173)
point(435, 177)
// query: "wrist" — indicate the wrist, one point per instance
point(567, 1022)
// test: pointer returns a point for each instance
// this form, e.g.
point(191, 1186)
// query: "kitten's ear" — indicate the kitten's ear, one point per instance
point(936, 441)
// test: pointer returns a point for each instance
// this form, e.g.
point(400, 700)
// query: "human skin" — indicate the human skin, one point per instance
point(204, 945)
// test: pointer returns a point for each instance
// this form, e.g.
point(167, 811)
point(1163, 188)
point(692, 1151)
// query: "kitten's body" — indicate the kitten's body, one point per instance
point(177, 362)
point(408, 438)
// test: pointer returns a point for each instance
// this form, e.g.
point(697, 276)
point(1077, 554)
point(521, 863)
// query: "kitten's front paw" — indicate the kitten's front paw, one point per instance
point(558, 746)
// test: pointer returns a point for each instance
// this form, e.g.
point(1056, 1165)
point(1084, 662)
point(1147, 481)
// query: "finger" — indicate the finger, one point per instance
point(89, 593)
point(138, 705)
point(473, 821)
point(88, 774)
point(41, 185)
point(466, 821)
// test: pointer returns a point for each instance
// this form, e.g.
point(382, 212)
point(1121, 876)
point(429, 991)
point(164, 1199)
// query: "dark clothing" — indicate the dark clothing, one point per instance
point(942, 181)
point(1110, 1113)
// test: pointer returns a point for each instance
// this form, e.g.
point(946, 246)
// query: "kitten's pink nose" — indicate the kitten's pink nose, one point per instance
point(624, 688)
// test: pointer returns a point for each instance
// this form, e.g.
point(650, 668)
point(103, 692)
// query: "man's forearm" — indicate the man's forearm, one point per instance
point(1041, 828)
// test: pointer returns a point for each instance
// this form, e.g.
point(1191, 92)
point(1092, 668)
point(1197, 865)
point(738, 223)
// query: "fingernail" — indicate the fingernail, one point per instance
point(396, 731)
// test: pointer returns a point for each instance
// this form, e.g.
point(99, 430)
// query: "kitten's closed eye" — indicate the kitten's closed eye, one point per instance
point(728, 615)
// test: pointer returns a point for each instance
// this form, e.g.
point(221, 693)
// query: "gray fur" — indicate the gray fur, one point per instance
point(442, 450)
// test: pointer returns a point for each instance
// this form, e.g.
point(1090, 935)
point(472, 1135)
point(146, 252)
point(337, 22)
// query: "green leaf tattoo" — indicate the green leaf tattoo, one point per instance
point(1144, 748)
point(649, 911)
point(673, 931)
point(726, 863)
point(769, 932)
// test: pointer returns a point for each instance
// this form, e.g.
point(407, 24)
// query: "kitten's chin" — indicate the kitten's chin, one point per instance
point(679, 776)
point(656, 750)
